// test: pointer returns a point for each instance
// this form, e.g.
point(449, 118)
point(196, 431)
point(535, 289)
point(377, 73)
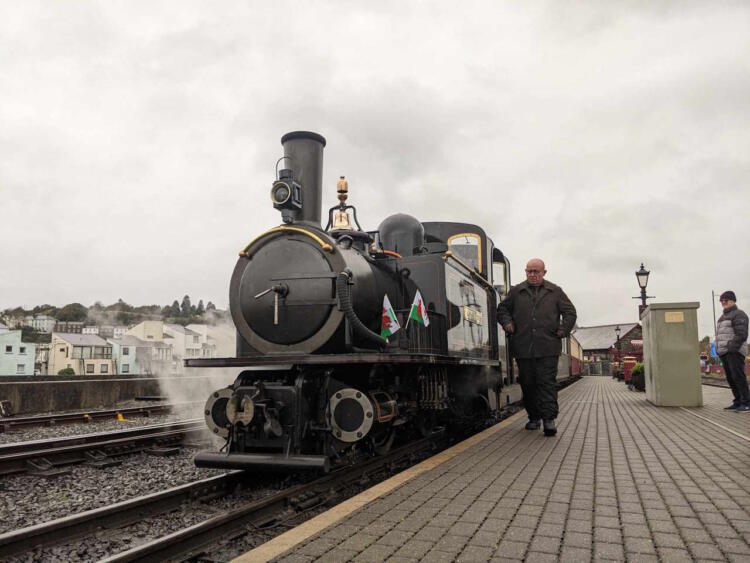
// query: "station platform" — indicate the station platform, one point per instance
point(623, 480)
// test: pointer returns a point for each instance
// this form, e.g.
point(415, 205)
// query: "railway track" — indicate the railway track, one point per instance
point(17, 422)
point(266, 512)
point(46, 457)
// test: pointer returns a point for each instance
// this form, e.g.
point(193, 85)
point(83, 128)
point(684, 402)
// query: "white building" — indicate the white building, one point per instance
point(217, 341)
point(42, 323)
point(90, 330)
point(186, 343)
point(16, 357)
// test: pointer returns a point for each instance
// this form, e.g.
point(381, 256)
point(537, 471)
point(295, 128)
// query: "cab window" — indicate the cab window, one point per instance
point(467, 247)
point(498, 277)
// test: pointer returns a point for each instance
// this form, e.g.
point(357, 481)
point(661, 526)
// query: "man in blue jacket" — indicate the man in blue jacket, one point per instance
point(731, 345)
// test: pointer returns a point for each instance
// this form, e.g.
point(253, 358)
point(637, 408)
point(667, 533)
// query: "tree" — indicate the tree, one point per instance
point(66, 371)
point(705, 344)
point(72, 312)
point(31, 335)
point(175, 309)
point(166, 311)
point(186, 308)
point(200, 310)
point(210, 306)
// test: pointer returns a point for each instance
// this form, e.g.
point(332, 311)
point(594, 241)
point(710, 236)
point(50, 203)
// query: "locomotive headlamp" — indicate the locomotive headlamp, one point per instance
point(280, 192)
point(286, 195)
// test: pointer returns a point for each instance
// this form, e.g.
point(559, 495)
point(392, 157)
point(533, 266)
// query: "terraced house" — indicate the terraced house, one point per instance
point(16, 357)
point(85, 354)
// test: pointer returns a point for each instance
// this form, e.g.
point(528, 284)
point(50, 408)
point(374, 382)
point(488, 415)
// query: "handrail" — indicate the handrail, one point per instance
point(472, 272)
point(323, 244)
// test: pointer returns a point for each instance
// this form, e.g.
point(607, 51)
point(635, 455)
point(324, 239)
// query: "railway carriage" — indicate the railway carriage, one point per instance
point(348, 338)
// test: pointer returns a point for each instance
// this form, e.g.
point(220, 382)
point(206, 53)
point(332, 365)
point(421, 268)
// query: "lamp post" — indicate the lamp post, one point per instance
point(617, 332)
point(642, 277)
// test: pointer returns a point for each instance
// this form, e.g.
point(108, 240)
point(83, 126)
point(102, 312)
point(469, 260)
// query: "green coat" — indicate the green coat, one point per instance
point(537, 321)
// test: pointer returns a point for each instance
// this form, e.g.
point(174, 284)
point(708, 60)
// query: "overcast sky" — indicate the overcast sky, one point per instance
point(138, 139)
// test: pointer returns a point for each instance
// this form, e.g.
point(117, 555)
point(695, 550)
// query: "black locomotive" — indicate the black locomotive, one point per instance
point(326, 374)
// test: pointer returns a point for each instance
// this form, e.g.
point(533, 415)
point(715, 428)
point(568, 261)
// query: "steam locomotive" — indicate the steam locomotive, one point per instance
point(348, 338)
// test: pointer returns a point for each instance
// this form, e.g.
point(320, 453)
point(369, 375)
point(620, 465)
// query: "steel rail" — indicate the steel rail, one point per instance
point(12, 423)
point(16, 457)
point(113, 516)
point(267, 511)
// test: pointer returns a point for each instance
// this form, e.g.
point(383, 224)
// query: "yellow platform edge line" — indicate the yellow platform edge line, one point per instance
point(286, 541)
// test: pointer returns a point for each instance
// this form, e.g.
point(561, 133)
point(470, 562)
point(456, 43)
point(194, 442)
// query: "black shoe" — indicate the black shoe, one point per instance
point(732, 407)
point(743, 408)
point(532, 425)
point(550, 428)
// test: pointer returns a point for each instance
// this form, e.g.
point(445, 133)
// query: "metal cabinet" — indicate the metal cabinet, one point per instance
point(671, 354)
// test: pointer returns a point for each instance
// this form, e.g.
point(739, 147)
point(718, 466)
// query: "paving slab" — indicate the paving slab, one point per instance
point(623, 480)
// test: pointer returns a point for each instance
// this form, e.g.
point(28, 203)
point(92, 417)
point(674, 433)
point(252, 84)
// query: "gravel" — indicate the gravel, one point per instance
point(96, 426)
point(28, 500)
point(109, 542)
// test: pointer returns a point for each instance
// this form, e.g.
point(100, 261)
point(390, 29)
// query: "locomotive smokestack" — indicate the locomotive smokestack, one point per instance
point(305, 152)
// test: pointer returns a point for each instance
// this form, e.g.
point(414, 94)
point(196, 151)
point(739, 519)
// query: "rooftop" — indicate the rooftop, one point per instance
point(81, 339)
point(127, 340)
point(181, 329)
point(601, 337)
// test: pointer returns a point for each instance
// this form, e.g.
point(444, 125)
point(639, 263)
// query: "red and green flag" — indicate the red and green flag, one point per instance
point(418, 311)
point(389, 323)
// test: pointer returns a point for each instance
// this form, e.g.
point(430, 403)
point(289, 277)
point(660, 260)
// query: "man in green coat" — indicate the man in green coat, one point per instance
point(537, 315)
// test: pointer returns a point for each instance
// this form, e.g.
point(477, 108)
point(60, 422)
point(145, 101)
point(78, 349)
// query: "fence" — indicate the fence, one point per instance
point(600, 368)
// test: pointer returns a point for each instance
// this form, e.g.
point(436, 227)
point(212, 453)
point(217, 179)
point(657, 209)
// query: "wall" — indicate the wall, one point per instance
point(64, 395)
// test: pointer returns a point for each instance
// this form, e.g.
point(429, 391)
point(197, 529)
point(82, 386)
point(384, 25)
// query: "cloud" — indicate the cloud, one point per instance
point(137, 142)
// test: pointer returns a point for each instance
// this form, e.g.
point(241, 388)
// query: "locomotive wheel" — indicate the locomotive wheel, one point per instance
point(427, 423)
point(382, 443)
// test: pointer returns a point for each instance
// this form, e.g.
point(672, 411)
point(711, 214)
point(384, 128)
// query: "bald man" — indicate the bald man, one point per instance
point(538, 315)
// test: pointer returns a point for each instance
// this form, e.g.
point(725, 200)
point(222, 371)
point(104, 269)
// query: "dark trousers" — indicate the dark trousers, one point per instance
point(734, 368)
point(538, 382)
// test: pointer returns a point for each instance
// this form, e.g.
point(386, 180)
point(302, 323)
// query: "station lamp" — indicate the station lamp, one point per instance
point(642, 277)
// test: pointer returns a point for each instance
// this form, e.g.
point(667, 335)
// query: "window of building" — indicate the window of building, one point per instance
point(20, 369)
point(149, 337)
point(125, 351)
point(195, 340)
point(22, 350)
point(125, 368)
point(62, 349)
point(9, 349)
point(89, 368)
point(105, 368)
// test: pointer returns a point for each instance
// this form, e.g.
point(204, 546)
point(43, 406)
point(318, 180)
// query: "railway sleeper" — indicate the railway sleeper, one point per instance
point(42, 467)
point(162, 451)
point(100, 460)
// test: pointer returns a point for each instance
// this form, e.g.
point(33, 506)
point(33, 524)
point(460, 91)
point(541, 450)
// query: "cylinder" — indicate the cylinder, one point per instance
point(304, 151)
point(263, 462)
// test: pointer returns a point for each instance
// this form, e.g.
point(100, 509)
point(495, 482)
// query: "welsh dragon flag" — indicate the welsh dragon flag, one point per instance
point(389, 323)
point(419, 311)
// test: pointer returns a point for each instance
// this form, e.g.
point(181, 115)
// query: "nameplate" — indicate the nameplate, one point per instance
point(674, 317)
